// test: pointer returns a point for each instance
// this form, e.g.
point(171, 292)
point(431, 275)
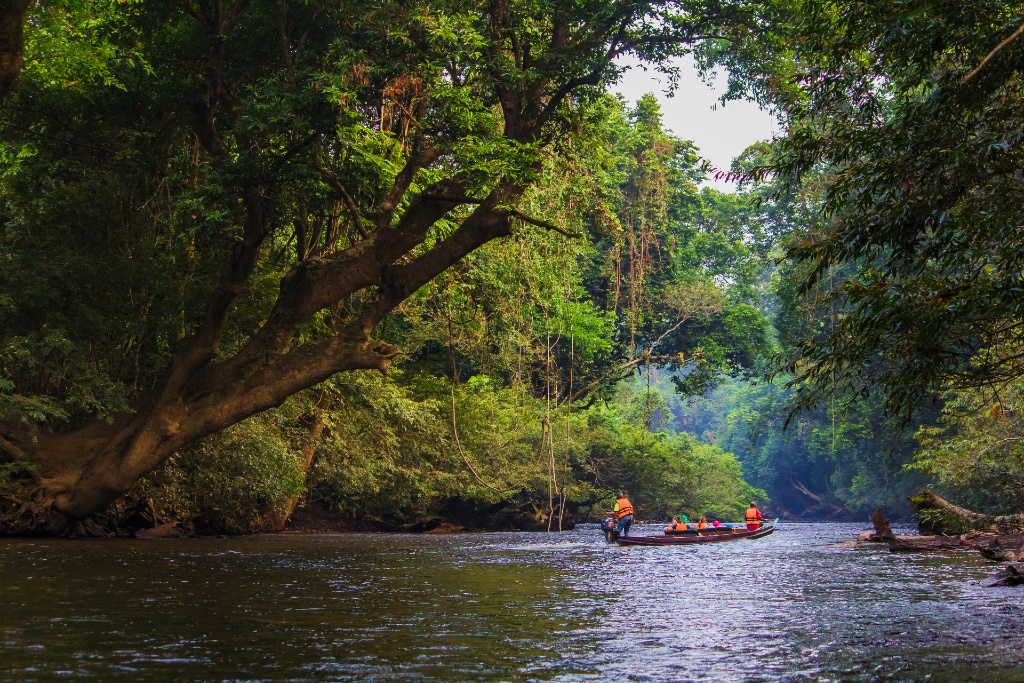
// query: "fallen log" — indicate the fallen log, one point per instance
point(937, 516)
point(997, 547)
point(419, 527)
point(919, 544)
point(906, 544)
point(1001, 548)
point(167, 530)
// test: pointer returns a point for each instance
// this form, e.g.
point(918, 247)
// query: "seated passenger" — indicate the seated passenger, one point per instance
point(702, 523)
point(752, 517)
point(716, 524)
point(672, 525)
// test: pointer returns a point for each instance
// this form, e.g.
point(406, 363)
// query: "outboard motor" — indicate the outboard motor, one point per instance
point(610, 529)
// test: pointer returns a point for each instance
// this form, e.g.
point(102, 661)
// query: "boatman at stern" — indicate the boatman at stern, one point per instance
point(623, 513)
point(752, 517)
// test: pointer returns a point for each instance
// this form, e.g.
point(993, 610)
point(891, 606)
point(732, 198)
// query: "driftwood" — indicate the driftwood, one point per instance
point(992, 540)
point(1007, 576)
point(167, 530)
point(907, 544)
point(881, 534)
point(881, 524)
point(998, 547)
point(918, 544)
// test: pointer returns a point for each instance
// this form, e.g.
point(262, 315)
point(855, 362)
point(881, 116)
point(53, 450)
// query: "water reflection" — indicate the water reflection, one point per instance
point(492, 607)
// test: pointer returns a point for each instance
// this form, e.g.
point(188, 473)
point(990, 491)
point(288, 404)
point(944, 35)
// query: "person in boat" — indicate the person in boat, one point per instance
point(752, 517)
point(673, 525)
point(716, 524)
point(702, 523)
point(623, 514)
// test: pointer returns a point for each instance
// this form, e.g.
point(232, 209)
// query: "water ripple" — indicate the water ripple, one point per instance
point(792, 607)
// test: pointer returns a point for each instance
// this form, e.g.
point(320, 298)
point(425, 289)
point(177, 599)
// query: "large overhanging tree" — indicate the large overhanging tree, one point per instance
point(906, 141)
point(342, 154)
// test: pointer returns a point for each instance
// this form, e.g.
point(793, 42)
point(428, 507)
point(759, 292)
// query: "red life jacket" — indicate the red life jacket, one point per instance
point(624, 508)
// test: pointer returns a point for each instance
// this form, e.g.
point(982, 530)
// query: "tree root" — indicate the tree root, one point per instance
point(26, 509)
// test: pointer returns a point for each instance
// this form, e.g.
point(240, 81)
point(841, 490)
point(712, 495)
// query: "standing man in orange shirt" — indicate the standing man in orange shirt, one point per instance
point(623, 513)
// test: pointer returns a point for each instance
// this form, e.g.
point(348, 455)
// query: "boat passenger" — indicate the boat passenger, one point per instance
point(672, 526)
point(716, 524)
point(623, 513)
point(702, 523)
point(752, 517)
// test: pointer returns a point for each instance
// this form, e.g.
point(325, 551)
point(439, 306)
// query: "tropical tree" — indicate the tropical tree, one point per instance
point(226, 215)
point(908, 130)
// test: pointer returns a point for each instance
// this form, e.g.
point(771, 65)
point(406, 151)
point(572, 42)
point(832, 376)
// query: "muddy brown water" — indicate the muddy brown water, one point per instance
point(792, 607)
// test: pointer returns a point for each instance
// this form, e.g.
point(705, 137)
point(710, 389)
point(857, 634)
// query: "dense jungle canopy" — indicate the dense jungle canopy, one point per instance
point(404, 261)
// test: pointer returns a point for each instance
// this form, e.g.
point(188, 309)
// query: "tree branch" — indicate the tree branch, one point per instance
point(282, 376)
point(349, 202)
point(991, 55)
point(318, 283)
point(452, 199)
point(618, 369)
point(515, 213)
point(486, 223)
point(422, 156)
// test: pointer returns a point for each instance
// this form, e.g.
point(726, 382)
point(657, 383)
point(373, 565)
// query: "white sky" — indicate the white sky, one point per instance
point(694, 113)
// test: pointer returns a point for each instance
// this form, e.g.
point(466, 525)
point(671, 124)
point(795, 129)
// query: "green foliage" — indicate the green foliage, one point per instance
point(974, 452)
point(949, 524)
point(142, 139)
point(909, 162)
point(526, 321)
point(665, 474)
point(239, 480)
point(828, 463)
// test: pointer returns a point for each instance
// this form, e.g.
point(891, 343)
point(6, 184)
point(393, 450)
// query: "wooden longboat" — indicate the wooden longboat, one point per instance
point(695, 537)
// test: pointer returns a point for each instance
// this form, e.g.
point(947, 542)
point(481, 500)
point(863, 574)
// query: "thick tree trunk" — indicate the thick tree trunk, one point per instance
point(148, 440)
point(81, 473)
point(12, 42)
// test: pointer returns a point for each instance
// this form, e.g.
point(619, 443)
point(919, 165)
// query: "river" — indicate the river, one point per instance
point(791, 607)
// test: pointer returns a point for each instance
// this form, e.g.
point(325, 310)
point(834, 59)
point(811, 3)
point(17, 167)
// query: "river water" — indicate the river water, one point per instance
point(791, 607)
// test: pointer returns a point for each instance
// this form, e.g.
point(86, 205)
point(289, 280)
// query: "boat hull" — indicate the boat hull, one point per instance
point(697, 539)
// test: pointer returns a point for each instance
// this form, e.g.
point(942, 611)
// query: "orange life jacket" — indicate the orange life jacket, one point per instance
point(752, 516)
point(624, 508)
point(702, 525)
